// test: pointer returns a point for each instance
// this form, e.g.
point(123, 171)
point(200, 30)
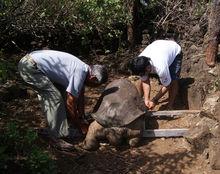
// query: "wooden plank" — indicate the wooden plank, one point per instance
point(171, 113)
point(153, 133)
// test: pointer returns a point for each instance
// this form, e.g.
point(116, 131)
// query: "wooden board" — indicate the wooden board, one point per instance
point(171, 113)
point(151, 133)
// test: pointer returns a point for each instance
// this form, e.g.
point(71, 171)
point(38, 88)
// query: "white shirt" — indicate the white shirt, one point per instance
point(162, 54)
point(62, 68)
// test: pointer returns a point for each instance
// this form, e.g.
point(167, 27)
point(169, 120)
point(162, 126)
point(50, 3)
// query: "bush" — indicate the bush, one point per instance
point(57, 23)
point(171, 18)
point(7, 68)
point(18, 153)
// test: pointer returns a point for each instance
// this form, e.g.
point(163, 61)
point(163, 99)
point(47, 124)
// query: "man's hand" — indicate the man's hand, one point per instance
point(150, 104)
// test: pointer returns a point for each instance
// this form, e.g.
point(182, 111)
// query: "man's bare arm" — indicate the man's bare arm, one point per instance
point(161, 93)
point(81, 104)
point(74, 112)
point(71, 103)
point(147, 89)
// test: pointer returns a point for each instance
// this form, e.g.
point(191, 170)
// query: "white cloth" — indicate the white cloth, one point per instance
point(162, 54)
point(62, 68)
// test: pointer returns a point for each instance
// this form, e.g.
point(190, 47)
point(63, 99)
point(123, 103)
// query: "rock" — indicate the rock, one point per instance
point(214, 153)
point(199, 133)
point(204, 136)
point(211, 106)
point(210, 102)
point(213, 71)
point(195, 97)
point(217, 111)
point(198, 137)
point(216, 131)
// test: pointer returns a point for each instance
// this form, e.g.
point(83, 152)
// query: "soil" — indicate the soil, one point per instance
point(153, 156)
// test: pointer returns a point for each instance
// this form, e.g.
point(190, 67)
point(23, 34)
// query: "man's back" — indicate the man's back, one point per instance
point(162, 54)
point(162, 51)
point(62, 68)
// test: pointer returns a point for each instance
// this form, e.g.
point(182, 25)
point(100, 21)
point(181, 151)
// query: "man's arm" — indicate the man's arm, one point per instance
point(160, 94)
point(146, 89)
point(81, 104)
point(75, 107)
point(71, 103)
point(165, 79)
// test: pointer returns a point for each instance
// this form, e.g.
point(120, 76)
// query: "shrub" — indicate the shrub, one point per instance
point(61, 22)
point(18, 152)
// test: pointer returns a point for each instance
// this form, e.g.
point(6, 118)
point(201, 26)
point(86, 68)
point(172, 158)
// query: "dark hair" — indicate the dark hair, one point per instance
point(138, 65)
point(100, 72)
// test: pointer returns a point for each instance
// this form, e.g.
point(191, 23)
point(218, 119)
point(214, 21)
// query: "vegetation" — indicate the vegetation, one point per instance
point(173, 17)
point(7, 68)
point(78, 26)
point(60, 23)
point(19, 152)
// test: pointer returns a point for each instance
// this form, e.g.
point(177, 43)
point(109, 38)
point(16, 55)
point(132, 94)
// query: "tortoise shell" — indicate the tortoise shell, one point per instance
point(119, 104)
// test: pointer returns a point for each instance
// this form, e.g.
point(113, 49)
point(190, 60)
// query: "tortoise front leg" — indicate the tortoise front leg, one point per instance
point(95, 132)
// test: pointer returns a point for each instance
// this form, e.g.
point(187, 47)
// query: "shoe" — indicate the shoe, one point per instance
point(60, 144)
point(74, 133)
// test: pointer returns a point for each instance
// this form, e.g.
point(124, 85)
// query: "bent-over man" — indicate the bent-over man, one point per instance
point(50, 71)
point(163, 58)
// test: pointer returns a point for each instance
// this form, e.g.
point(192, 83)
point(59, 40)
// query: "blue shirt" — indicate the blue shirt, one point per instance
point(62, 68)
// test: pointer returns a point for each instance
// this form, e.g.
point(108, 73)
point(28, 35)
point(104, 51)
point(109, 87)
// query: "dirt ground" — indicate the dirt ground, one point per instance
point(153, 156)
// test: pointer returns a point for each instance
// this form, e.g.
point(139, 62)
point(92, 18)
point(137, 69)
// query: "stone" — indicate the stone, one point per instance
point(210, 102)
point(216, 131)
point(198, 137)
point(211, 106)
point(195, 96)
point(217, 111)
point(214, 153)
point(213, 71)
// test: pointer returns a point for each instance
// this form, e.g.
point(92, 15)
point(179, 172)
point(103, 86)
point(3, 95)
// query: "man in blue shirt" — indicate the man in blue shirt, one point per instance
point(44, 70)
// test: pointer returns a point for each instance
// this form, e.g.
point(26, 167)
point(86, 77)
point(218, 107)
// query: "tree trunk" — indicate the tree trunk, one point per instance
point(213, 34)
point(132, 26)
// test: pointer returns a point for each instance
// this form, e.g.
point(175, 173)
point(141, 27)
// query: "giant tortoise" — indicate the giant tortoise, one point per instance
point(118, 116)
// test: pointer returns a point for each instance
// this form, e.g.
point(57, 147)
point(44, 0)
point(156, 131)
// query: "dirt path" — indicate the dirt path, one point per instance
point(153, 156)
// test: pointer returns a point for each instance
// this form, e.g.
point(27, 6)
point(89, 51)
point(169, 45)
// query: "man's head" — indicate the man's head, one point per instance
point(139, 65)
point(98, 75)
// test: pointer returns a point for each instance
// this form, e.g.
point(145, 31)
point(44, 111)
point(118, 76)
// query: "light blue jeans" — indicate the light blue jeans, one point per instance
point(50, 97)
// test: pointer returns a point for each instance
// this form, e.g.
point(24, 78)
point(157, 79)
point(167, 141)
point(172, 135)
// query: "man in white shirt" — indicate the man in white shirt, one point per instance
point(163, 58)
point(48, 70)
